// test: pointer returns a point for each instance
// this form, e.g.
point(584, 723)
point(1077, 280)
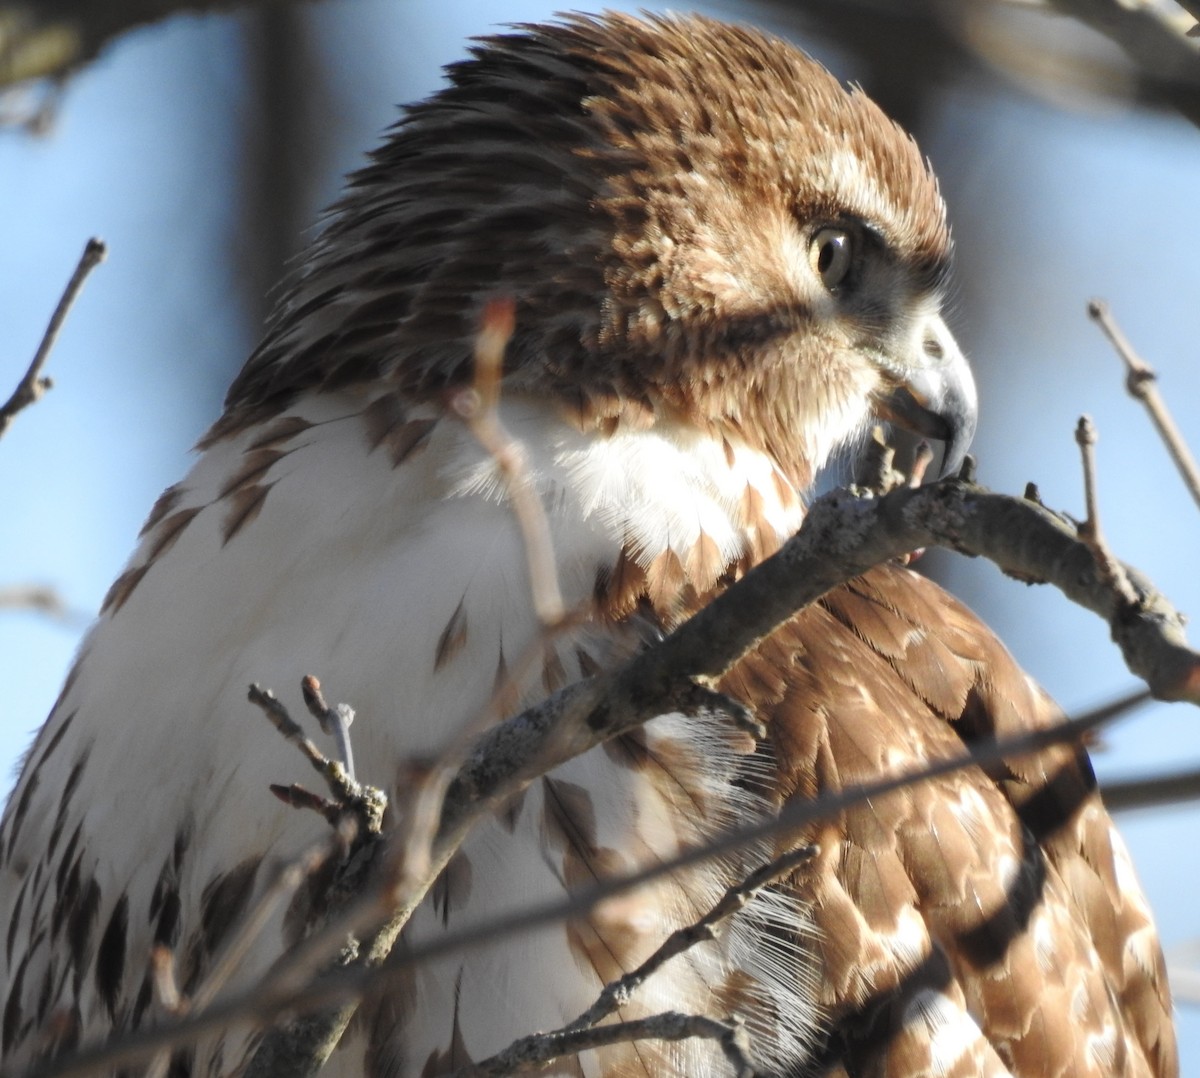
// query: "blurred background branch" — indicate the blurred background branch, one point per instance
point(52, 39)
point(49, 39)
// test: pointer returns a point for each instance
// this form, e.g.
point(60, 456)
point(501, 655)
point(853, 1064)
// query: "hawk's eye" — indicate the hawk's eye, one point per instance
point(830, 254)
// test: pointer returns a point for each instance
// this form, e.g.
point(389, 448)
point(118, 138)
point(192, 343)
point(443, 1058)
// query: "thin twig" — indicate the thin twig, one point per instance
point(1110, 569)
point(1085, 438)
point(335, 720)
point(166, 991)
point(922, 458)
point(33, 386)
point(341, 785)
point(301, 1045)
point(287, 882)
point(1141, 381)
point(356, 813)
point(478, 407)
point(616, 994)
point(531, 1053)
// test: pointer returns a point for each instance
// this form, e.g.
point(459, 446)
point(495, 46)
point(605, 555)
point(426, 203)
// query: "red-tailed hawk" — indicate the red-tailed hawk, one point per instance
point(724, 267)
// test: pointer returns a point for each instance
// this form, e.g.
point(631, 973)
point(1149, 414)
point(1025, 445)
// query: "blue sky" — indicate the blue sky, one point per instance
point(1051, 206)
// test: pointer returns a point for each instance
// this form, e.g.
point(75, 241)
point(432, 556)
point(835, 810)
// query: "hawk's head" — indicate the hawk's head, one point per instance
point(695, 220)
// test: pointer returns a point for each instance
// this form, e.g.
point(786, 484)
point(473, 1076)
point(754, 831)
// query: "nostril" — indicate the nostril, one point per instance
point(933, 347)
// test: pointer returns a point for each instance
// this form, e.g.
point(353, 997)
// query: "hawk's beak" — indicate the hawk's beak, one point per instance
point(935, 395)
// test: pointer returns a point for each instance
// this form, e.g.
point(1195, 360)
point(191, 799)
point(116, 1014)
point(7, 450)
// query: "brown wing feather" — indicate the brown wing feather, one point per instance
point(979, 923)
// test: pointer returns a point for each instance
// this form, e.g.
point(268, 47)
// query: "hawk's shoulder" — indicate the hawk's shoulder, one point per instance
point(988, 916)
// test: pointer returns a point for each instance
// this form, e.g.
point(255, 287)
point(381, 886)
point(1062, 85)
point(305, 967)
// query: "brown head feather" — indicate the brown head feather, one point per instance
point(640, 188)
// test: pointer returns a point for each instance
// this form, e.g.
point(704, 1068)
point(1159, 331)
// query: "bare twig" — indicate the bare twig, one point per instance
point(922, 458)
point(301, 1046)
point(166, 991)
point(619, 992)
point(287, 881)
point(419, 817)
point(411, 862)
point(32, 387)
point(1141, 381)
point(335, 720)
point(543, 1047)
point(531, 1053)
point(341, 785)
point(356, 813)
point(478, 408)
point(1110, 569)
point(1085, 438)
point(162, 976)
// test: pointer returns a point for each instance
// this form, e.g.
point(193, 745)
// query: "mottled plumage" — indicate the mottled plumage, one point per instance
point(724, 266)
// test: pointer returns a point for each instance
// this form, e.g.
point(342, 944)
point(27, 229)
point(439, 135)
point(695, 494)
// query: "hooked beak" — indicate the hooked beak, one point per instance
point(934, 395)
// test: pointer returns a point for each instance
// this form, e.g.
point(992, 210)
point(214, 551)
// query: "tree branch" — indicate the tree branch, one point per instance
point(532, 1053)
point(51, 38)
point(1156, 41)
point(1141, 381)
point(844, 534)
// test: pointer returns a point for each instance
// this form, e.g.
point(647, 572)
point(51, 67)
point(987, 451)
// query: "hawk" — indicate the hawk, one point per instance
point(724, 267)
